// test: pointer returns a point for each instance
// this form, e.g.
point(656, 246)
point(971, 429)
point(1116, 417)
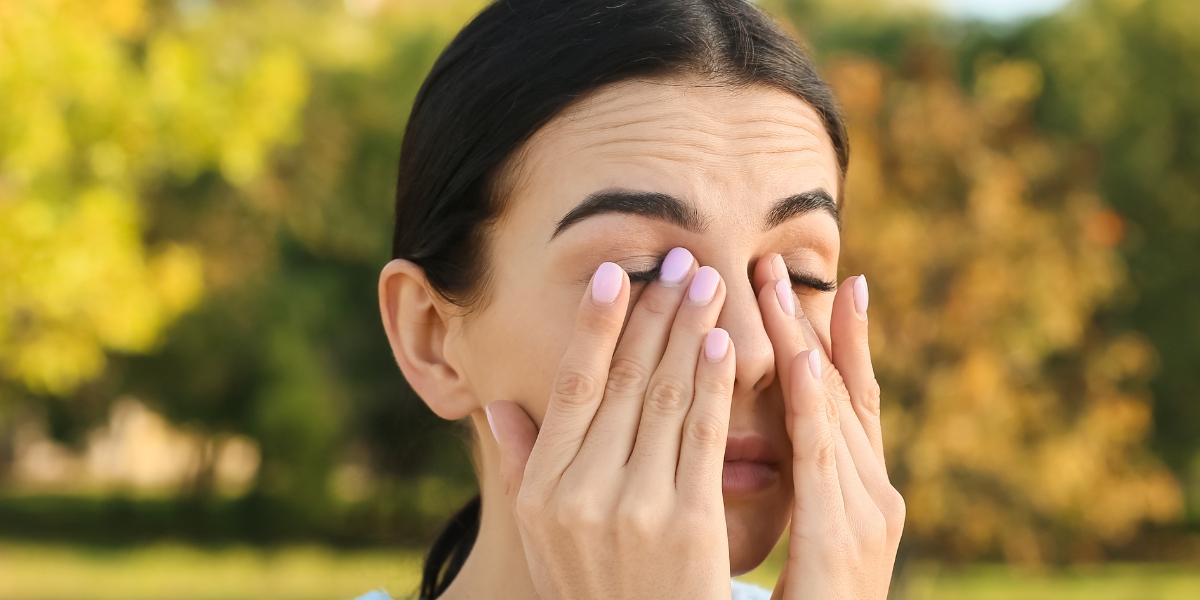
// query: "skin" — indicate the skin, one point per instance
point(601, 476)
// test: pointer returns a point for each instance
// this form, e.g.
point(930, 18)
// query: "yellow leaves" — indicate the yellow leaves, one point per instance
point(1005, 87)
point(88, 123)
point(272, 93)
point(990, 257)
point(79, 281)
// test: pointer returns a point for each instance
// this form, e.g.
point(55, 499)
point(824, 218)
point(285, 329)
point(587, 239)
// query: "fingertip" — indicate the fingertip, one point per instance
point(607, 283)
point(487, 410)
point(785, 296)
point(862, 296)
point(716, 345)
point(814, 363)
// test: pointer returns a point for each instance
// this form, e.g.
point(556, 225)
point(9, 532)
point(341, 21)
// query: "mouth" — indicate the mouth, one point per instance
point(751, 466)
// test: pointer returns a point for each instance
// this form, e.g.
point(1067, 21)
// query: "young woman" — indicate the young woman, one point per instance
point(616, 244)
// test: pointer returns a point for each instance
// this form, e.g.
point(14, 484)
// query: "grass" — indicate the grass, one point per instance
point(176, 572)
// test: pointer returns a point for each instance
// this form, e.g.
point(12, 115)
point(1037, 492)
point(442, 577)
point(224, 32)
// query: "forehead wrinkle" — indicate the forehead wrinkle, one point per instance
point(677, 153)
point(726, 139)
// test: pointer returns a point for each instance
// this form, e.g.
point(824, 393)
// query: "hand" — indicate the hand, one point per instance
point(620, 494)
point(847, 517)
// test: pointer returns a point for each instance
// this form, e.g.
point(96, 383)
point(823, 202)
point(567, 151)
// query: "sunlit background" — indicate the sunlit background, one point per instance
point(197, 400)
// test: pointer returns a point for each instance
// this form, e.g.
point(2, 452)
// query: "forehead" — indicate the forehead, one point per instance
point(727, 148)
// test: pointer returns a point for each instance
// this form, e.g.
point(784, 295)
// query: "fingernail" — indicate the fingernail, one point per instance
point(778, 269)
point(606, 283)
point(814, 363)
point(861, 297)
point(487, 410)
point(704, 286)
point(675, 267)
point(783, 291)
point(716, 345)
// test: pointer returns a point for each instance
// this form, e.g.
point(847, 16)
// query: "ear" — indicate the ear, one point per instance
point(416, 322)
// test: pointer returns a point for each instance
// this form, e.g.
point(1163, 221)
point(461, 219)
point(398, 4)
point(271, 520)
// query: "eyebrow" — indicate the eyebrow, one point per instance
point(670, 209)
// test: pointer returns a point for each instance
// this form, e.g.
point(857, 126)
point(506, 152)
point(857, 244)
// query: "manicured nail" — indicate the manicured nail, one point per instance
point(704, 286)
point(783, 291)
point(716, 345)
point(675, 267)
point(491, 424)
point(861, 297)
point(778, 269)
point(814, 362)
point(606, 283)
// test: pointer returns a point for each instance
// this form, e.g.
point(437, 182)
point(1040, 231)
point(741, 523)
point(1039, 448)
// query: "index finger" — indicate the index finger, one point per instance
point(581, 377)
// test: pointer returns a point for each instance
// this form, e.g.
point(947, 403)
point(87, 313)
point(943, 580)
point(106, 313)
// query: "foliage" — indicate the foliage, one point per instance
point(1124, 78)
point(194, 199)
point(101, 100)
point(1013, 420)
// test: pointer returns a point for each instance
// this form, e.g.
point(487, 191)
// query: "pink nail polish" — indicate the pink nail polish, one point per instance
point(716, 345)
point(606, 283)
point(778, 268)
point(487, 410)
point(704, 286)
point(783, 291)
point(814, 363)
point(861, 297)
point(675, 267)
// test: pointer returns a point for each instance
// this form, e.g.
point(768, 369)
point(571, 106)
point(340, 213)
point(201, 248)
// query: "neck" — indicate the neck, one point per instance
point(496, 567)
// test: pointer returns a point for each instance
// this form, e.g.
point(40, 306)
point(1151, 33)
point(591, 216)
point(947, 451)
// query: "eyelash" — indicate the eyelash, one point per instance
point(803, 279)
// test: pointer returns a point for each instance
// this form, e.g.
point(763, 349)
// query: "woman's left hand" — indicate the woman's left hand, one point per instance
point(847, 517)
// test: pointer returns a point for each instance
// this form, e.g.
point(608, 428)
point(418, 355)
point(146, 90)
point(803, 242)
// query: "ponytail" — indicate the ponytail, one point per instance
point(450, 550)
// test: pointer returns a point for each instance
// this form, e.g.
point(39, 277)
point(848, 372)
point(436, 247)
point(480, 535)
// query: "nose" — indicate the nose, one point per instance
point(740, 316)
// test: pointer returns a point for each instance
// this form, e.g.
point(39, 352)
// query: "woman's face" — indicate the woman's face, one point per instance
point(754, 171)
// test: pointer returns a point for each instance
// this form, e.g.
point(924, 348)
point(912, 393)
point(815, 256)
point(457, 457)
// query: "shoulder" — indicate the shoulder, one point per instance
point(747, 591)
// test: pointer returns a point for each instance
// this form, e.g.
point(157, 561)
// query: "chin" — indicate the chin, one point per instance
point(755, 522)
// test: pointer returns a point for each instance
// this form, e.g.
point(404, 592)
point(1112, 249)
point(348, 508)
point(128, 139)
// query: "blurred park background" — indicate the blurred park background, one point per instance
point(197, 399)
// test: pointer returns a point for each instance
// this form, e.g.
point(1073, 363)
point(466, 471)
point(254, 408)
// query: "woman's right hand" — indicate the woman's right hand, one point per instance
point(619, 493)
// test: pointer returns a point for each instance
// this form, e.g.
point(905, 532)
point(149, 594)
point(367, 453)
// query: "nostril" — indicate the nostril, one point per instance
point(762, 382)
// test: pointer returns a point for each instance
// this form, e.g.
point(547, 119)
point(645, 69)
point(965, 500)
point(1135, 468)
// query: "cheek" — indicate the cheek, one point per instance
point(516, 345)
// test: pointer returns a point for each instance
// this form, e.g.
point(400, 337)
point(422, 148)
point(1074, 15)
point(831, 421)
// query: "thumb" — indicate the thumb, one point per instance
point(515, 434)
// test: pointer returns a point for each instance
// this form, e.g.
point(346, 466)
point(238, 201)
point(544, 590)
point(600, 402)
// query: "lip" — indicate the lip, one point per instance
point(751, 466)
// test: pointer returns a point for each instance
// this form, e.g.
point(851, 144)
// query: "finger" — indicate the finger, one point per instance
point(778, 306)
point(819, 505)
point(515, 435)
point(852, 357)
point(670, 393)
point(860, 506)
point(702, 452)
point(610, 438)
point(581, 376)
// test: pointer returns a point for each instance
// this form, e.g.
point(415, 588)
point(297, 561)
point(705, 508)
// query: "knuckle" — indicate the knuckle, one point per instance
point(575, 387)
point(577, 513)
point(705, 433)
point(659, 305)
point(824, 454)
point(715, 386)
point(626, 375)
point(637, 520)
point(872, 396)
point(894, 511)
point(527, 507)
point(875, 528)
point(666, 395)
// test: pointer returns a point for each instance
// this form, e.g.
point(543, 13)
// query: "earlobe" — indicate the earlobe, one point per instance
point(416, 323)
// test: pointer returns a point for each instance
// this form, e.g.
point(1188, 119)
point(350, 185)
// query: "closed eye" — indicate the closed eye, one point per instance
point(801, 279)
point(811, 281)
